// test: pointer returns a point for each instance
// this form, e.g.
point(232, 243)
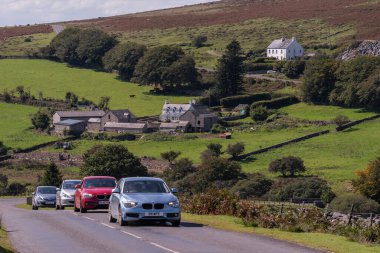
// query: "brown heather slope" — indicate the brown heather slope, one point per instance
point(7, 32)
point(365, 14)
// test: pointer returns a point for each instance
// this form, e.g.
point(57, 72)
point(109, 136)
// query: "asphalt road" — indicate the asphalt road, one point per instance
point(65, 231)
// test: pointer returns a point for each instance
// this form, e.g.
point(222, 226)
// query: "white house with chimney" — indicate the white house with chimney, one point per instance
point(285, 49)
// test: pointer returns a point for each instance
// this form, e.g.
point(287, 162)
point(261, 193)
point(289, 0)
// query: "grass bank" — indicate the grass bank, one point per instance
point(328, 242)
point(5, 243)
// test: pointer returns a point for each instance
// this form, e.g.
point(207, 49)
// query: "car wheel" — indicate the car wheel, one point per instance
point(62, 208)
point(33, 207)
point(57, 207)
point(176, 223)
point(82, 210)
point(110, 217)
point(120, 219)
point(75, 207)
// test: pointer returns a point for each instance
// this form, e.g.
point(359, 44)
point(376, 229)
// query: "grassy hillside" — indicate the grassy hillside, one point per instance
point(15, 127)
point(55, 79)
point(16, 46)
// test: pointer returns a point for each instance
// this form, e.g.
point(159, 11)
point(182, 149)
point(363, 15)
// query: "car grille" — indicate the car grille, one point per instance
point(147, 206)
point(150, 206)
point(103, 197)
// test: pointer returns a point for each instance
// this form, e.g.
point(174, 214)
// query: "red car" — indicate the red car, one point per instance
point(93, 193)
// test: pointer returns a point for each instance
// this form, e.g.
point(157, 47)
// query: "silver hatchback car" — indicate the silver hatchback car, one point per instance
point(44, 196)
point(144, 199)
point(65, 194)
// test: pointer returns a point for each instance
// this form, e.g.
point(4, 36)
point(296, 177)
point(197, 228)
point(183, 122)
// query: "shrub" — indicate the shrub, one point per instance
point(218, 128)
point(341, 120)
point(368, 181)
point(3, 149)
point(287, 166)
point(111, 160)
point(255, 185)
point(170, 156)
point(40, 120)
point(361, 203)
point(179, 169)
point(213, 149)
point(3, 183)
point(277, 103)
point(199, 41)
point(15, 189)
point(235, 150)
point(259, 113)
point(233, 101)
point(293, 69)
point(52, 176)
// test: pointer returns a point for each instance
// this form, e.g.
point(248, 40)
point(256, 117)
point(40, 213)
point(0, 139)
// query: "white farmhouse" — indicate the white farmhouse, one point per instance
point(285, 49)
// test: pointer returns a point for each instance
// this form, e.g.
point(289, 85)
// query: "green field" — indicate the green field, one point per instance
point(15, 127)
point(253, 34)
point(324, 112)
point(17, 46)
point(55, 79)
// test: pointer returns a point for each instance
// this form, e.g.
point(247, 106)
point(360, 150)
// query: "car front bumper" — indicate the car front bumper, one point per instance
point(44, 203)
point(67, 202)
point(140, 214)
point(95, 204)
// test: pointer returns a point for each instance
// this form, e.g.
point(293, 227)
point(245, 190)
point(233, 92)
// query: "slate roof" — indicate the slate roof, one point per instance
point(122, 114)
point(125, 125)
point(174, 125)
point(94, 120)
point(79, 114)
point(282, 43)
point(69, 122)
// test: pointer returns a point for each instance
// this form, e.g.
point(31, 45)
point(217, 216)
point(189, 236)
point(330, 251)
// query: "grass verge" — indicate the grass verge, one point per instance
point(29, 207)
point(328, 242)
point(5, 244)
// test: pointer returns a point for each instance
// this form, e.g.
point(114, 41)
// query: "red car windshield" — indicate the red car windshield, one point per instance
point(100, 183)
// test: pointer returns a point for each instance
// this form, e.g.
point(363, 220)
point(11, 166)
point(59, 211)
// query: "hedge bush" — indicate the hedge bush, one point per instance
point(361, 203)
point(277, 102)
point(233, 101)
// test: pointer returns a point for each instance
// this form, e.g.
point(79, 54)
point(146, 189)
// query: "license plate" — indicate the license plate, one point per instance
point(154, 214)
point(103, 202)
point(50, 203)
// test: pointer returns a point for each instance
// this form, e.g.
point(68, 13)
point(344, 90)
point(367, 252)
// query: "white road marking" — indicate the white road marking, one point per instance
point(88, 218)
point(107, 225)
point(164, 248)
point(75, 214)
point(136, 236)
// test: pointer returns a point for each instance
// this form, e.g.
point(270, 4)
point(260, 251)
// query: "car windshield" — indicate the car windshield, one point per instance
point(100, 182)
point(47, 190)
point(145, 186)
point(70, 185)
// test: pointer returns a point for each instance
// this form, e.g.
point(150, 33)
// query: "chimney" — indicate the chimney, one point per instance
point(293, 38)
point(166, 102)
point(282, 39)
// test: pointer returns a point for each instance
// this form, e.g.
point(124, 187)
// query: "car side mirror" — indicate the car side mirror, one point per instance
point(33, 193)
point(174, 190)
point(116, 191)
point(77, 186)
point(58, 189)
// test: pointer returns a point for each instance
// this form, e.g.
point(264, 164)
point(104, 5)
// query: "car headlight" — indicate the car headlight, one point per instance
point(66, 195)
point(130, 204)
point(40, 198)
point(174, 203)
point(87, 195)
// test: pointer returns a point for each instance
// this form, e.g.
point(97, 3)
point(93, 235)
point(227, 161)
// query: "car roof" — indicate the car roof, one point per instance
point(95, 177)
point(46, 186)
point(142, 178)
point(70, 180)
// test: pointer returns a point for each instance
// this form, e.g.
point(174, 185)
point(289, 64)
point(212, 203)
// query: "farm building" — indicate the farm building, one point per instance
point(133, 128)
point(120, 116)
point(77, 115)
point(173, 112)
point(70, 125)
point(180, 126)
point(94, 125)
point(285, 49)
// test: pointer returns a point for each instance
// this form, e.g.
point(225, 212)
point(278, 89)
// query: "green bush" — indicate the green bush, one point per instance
point(233, 101)
point(277, 103)
point(259, 113)
point(179, 169)
point(361, 203)
point(217, 129)
point(234, 150)
point(52, 176)
point(254, 186)
point(3, 149)
point(287, 166)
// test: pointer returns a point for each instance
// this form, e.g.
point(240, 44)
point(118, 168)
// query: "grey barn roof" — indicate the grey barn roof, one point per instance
point(121, 114)
point(70, 122)
point(174, 124)
point(282, 43)
point(79, 114)
point(125, 125)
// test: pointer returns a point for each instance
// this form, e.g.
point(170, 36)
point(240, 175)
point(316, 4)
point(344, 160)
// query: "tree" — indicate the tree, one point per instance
point(255, 185)
point(213, 149)
point(287, 166)
point(124, 58)
point(259, 113)
point(235, 150)
point(103, 103)
point(52, 176)
point(368, 180)
point(362, 204)
point(170, 156)
point(369, 91)
point(179, 169)
point(199, 41)
point(319, 80)
point(40, 120)
point(341, 120)
point(3, 149)
point(71, 98)
point(293, 69)
point(181, 73)
point(111, 160)
point(230, 71)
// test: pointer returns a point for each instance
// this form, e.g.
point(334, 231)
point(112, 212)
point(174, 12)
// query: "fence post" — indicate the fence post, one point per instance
point(326, 210)
point(350, 214)
point(370, 220)
point(281, 209)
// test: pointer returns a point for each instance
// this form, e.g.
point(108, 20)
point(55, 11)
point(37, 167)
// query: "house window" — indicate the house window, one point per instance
point(109, 116)
point(199, 122)
point(300, 51)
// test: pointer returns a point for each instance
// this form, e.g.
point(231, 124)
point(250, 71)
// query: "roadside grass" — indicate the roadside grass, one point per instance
point(17, 46)
point(5, 244)
point(255, 34)
point(15, 126)
point(54, 79)
point(324, 112)
point(328, 242)
point(334, 157)
point(192, 148)
point(29, 208)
